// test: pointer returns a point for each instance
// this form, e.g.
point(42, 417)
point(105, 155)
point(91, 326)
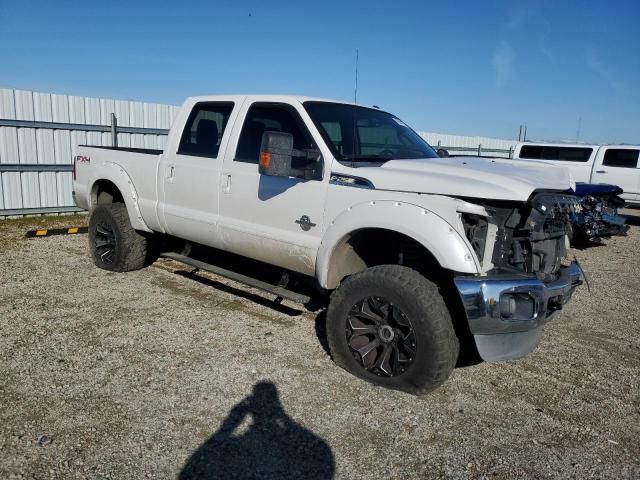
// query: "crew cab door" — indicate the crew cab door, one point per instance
point(619, 166)
point(189, 177)
point(278, 220)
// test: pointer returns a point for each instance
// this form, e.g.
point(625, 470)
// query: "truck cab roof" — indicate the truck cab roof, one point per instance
point(579, 145)
point(265, 97)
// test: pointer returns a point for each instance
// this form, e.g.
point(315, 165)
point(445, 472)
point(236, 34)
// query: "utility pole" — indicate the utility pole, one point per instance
point(522, 134)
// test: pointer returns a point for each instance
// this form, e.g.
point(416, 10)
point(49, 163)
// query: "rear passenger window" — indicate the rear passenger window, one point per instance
point(274, 118)
point(570, 154)
point(531, 151)
point(204, 129)
point(618, 157)
point(565, 154)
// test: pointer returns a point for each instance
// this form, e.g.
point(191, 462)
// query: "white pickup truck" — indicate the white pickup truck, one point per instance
point(596, 164)
point(419, 257)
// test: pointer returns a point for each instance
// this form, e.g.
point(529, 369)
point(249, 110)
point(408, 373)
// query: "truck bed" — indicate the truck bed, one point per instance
point(136, 167)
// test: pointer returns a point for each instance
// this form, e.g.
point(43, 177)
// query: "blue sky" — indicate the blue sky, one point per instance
point(469, 68)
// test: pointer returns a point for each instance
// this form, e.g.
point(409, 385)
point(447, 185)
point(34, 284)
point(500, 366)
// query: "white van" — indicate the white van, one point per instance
point(611, 164)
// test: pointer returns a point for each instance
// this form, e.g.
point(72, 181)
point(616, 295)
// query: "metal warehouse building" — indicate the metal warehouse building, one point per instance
point(39, 133)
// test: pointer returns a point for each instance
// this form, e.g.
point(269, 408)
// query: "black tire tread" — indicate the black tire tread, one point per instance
point(426, 297)
point(134, 245)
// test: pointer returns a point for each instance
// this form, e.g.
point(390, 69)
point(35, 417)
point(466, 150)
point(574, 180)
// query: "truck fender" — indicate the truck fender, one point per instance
point(448, 247)
point(117, 175)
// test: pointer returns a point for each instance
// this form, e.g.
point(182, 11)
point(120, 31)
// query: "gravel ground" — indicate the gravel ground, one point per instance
point(154, 375)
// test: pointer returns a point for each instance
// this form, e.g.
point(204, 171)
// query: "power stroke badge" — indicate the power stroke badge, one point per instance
point(305, 223)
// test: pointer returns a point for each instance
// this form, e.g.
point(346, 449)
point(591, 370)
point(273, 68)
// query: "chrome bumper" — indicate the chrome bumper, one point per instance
point(508, 304)
point(505, 312)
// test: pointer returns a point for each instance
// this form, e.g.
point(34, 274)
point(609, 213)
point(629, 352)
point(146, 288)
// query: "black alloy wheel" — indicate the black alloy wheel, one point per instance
point(381, 337)
point(390, 326)
point(105, 243)
point(115, 245)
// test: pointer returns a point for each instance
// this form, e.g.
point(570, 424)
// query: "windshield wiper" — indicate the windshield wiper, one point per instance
point(366, 158)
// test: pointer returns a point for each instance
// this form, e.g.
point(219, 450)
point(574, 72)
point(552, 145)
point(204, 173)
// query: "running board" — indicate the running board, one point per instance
point(238, 277)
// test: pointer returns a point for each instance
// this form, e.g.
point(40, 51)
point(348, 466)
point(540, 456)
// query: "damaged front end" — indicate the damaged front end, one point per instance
point(522, 238)
point(596, 213)
point(534, 238)
point(526, 276)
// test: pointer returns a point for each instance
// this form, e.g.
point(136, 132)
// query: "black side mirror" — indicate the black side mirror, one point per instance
point(278, 158)
point(442, 153)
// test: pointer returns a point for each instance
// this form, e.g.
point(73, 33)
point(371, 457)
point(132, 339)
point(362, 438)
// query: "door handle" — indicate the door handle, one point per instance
point(601, 171)
point(226, 183)
point(170, 170)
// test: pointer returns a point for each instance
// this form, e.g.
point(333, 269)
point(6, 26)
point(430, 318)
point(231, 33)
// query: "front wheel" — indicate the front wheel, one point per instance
point(390, 326)
point(115, 245)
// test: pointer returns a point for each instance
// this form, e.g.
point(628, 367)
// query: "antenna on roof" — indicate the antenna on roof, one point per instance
point(355, 92)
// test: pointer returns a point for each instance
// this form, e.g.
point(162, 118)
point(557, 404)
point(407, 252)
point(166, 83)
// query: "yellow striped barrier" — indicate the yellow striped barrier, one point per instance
point(48, 232)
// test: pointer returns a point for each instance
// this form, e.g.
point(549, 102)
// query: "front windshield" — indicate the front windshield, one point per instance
point(361, 134)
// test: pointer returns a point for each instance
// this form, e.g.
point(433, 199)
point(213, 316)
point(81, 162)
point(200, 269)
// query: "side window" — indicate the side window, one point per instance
point(572, 154)
point(274, 118)
point(618, 157)
point(565, 154)
point(204, 129)
point(531, 151)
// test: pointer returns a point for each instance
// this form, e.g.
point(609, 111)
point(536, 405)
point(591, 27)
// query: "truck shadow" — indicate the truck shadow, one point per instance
point(321, 330)
point(588, 244)
point(272, 446)
point(632, 219)
point(270, 187)
point(265, 302)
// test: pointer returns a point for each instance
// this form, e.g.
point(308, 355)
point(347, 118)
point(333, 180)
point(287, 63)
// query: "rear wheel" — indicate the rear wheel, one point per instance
point(390, 326)
point(115, 245)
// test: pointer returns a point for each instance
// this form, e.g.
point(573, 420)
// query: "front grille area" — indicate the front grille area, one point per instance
point(531, 237)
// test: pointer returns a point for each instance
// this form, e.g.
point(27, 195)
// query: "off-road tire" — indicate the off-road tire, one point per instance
point(130, 251)
point(437, 346)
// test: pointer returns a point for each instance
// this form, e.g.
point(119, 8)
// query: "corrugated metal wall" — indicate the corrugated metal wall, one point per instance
point(51, 190)
point(22, 145)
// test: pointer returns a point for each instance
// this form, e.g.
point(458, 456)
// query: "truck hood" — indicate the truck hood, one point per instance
point(492, 178)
